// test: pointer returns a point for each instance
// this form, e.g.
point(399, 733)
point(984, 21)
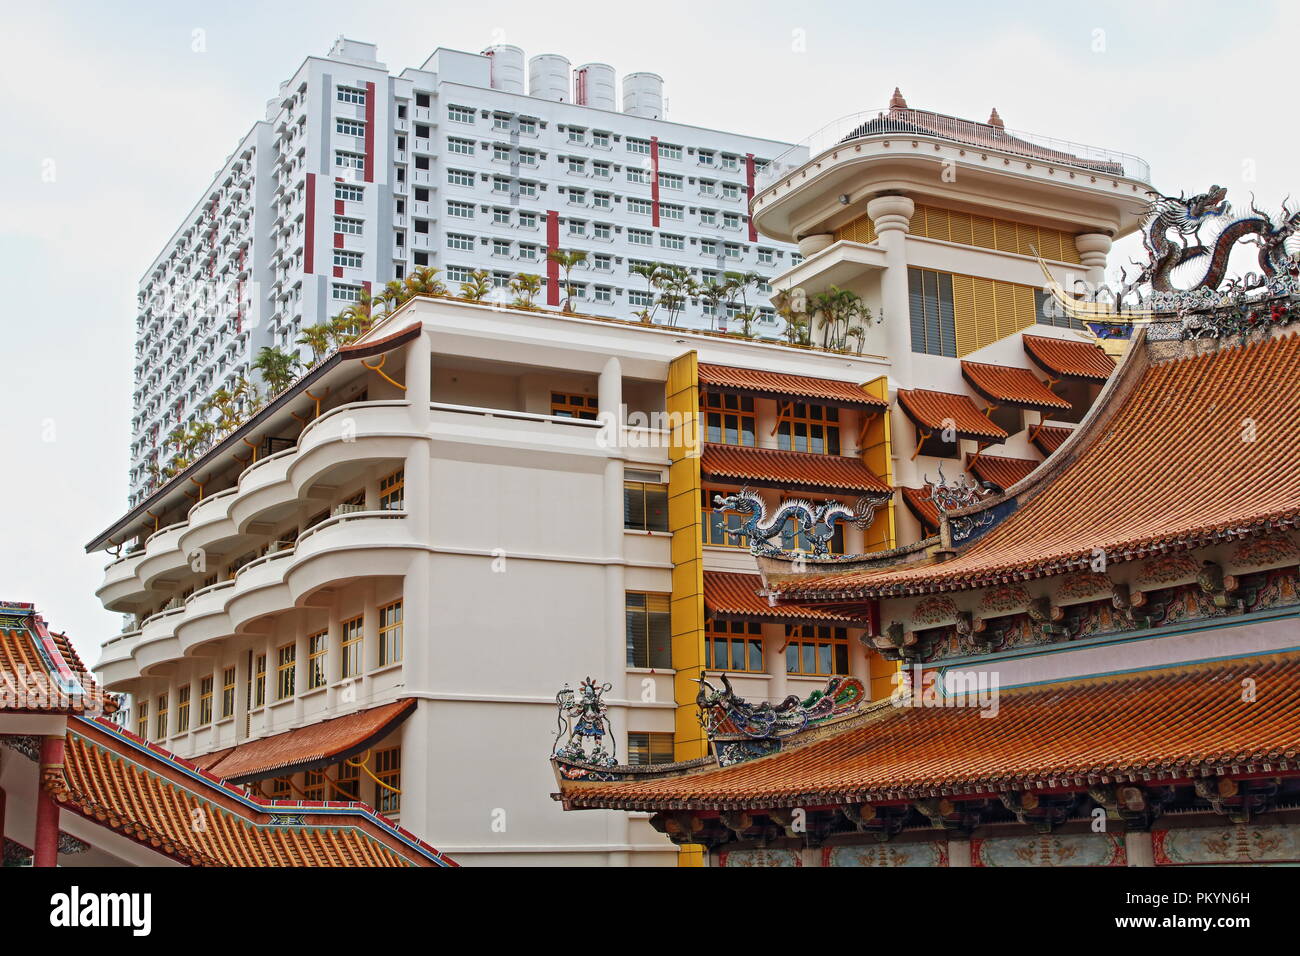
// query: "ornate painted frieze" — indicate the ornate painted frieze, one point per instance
point(765, 857)
point(1264, 552)
point(927, 853)
point(1050, 849)
point(1243, 843)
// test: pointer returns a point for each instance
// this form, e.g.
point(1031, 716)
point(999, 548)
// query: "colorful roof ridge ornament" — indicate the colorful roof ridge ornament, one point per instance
point(584, 716)
point(814, 522)
point(949, 496)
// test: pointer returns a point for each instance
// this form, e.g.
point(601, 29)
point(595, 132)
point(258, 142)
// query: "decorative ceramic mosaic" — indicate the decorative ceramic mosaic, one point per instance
point(931, 853)
point(1232, 844)
point(1068, 849)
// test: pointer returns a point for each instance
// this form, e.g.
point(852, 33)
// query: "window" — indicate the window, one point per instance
point(228, 692)
point(460, 210)
point(708, 187)
point(765, 257)
point(456, 240)
point(733, 646)
point(640, 207)
point(501, 121)
point(527, 126)
point(708, 247)
point(603, 293)
point(286, 671)
point(600, 170)
point(388, 780)
point(931, 312)
point(640, 237)
point(142, 719)
point(728, 419)
point(346, 95)
point(348, 193)
point(349, 260)
point(705, 157)
point(731, 250)
point(460, 177)
point(635, 145)
point(649, 638)
point(578, 166)
point(527, 189)
point(460, 114)
point(465, 147)
point(527, 157)
point(730, 162)
point(349, 160)
point(569, 405)
point(602, 200)
point(206, 685)
point(317, 649)
point(714, 525)
point(670, 211)
point(602, 261)
point(807, 427)
point(577, 134)
point(635, 175)
point(458, 273)
point(528, 220)
point(346, 293)
point(645, 506)
point(313, 785)
point(670, 181)
point(577, 227)
point(500, 184)
point(390, 633)
point(351, 227)
point(347, 782)
point(259, 681)
point(160, 718)
point(353, 641)
point(644, 749)
point(501, 153)
point(600, 139)
point(1049, 312)
point(667, 151)
point(669, 241)
point(281, 789)
point(501, 216)
point(527, 252)
point(348, 127)
point(816, 651)
point(577, 197)
point(640, 297)
point(730, 191)
point(183, 709)
point(730, 220)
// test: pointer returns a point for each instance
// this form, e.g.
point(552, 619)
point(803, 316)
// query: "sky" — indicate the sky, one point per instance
point(117, 117)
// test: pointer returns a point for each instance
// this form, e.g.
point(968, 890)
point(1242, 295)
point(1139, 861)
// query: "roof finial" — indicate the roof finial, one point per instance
point(996, 120)
point(896, 102)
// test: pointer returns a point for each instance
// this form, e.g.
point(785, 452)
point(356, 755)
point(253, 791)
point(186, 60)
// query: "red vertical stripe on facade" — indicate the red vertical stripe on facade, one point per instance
point(749, 189)
point(338, 207)
point(370, 132)
point(654, 181)
point(309, 243)
point(338, 240)
point(552, 267)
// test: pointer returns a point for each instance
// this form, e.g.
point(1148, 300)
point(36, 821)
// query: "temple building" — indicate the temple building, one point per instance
point(76, 789)
point(1097, 661)
point(389, 568)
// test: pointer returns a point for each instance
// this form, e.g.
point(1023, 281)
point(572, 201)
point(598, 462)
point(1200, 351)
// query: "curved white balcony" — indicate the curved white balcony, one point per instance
point(116, 666)
point(122, 587)
point(529, 431)
point(205, 617)
point(162, 554)
point(157, 643)
point(350, 546)
point(259, 589)
point(262, 487)
point(350, 433)
point(209, 522)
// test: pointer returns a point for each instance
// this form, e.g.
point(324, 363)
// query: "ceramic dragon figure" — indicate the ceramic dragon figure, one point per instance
point(814, 522)
point(1172, 239)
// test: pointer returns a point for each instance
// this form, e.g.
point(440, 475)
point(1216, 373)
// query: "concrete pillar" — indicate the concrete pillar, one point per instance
point(959, 851)
point(892, 216)
point(811, 245)
point(609, 395)
point(419, 375)
point(1093, 248)
point(47, 808)
point(1139, 849)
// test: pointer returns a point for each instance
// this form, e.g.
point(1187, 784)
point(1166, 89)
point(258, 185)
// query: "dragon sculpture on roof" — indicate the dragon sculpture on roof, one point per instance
point(814, 522)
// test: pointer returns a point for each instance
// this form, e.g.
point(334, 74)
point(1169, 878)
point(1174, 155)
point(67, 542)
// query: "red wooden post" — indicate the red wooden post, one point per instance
point(47, 808)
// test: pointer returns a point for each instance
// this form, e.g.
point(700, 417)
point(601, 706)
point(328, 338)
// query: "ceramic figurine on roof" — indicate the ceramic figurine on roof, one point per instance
point(584, 716)
point(814, 522)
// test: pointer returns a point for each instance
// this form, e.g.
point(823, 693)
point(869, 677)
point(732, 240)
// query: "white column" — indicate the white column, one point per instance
point(609, 393)
point(1093, 248)
point(892, 216)
point(1139, 849)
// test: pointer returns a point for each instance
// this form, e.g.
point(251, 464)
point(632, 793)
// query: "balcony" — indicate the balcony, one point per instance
point(347, 547)
point(116, 665)
point(122, 587)
point(205, 617)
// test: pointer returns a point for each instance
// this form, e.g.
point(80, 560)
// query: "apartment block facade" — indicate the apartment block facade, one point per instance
point(357, 176)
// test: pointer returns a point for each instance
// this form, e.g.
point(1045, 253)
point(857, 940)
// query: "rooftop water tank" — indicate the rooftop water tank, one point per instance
point(593, 85)
point(643, 95)
point(548, 77)
point(507, 67)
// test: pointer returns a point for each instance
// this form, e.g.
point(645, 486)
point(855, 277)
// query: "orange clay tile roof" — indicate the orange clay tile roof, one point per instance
point(1064, 358)
point(1003, 385)
point(930, 410)
point(118, 781)
point(1163, 466)
point(919, 503)
point(40, 672)
point(779, 383)
point(1002, 472)
point(307, 748)
point(1048, 438)
point(789, 469)
point(1163, 724)
point(728, 594)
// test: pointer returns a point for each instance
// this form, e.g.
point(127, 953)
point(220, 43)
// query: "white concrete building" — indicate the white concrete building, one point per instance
point(357, 176)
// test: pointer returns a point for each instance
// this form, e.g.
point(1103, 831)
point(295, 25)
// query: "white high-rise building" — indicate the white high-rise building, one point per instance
point(472, 161)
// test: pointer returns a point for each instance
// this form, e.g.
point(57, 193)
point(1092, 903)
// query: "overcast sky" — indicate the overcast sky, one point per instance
point(118, 115)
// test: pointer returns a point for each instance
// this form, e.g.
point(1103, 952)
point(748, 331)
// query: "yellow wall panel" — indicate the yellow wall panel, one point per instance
point(878, 455)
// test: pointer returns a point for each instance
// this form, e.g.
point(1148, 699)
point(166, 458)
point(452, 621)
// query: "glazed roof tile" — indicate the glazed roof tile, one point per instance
point(931, 410)
point(730, 594)
point(789, 469)
point(1004, 385)
point(1175, 722)
point(1065, 358)
point(781, 383)
point(1048, 438)
point(999, 471)
point(919, 503)
point(41, 672)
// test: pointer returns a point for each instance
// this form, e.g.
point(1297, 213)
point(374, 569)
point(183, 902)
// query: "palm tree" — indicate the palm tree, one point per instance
point(714, 293)
point(566, 261)
point(838, 308)
point(316, 338)
point(478, 286)
point(424, 280)
point(277, 368)
point(676, 286)
point(650, 272)
point(525, 287)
